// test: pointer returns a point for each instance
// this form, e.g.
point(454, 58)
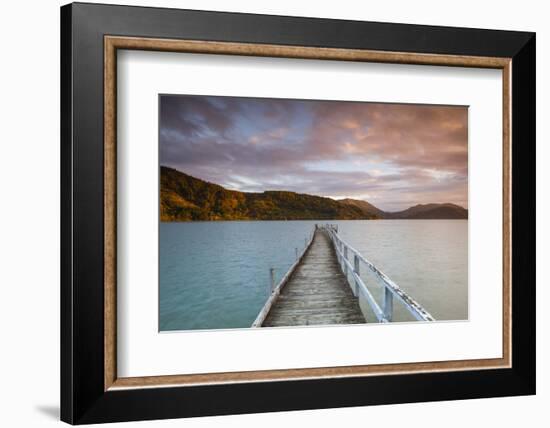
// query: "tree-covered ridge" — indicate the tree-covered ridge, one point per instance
point(185, 198)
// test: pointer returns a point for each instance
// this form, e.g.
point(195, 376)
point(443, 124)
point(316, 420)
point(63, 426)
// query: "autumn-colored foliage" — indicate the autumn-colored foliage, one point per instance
point(185, 198)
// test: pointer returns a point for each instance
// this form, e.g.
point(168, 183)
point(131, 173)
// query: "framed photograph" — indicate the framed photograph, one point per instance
point(265, 213)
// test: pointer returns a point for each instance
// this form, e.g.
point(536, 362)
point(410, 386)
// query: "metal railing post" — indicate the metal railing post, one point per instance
point(271, 280)
point(388, 304)
point(358, 272)
point(345, 264)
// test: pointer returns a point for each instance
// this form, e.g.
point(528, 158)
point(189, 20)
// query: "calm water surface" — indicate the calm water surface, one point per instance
point(216, 274)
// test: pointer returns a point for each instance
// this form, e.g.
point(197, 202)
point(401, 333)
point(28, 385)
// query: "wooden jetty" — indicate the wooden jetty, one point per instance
point(317, 292)
point(324, 286)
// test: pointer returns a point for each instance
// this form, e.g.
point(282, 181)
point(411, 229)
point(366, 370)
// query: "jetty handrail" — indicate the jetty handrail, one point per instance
point(391, 289)
point(276, 289)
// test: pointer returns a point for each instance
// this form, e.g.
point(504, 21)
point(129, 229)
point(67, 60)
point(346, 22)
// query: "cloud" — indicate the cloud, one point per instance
point(398, 154)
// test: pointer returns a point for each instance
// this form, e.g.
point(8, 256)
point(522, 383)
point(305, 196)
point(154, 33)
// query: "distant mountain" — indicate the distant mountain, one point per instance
point(418, 212)
point(186, 198)
point(432, 211)
point(364, 206)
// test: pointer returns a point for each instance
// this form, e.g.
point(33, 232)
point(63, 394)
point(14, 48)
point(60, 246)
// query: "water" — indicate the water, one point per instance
point(216, 274)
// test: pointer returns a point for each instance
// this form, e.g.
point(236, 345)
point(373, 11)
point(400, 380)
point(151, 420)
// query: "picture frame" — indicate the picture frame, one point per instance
point(91, 35)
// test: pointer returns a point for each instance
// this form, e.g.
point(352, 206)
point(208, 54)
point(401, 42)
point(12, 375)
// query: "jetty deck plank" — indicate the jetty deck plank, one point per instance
point(317, 293)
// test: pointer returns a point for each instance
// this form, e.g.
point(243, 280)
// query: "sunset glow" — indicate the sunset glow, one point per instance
point(393, 155)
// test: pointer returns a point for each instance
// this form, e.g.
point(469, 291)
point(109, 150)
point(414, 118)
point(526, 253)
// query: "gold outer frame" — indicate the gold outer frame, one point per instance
point(113, 43)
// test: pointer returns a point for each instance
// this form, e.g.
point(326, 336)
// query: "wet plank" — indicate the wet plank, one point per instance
point(317, 292)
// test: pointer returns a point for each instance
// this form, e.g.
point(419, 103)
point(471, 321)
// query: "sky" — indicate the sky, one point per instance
point(391, 155)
